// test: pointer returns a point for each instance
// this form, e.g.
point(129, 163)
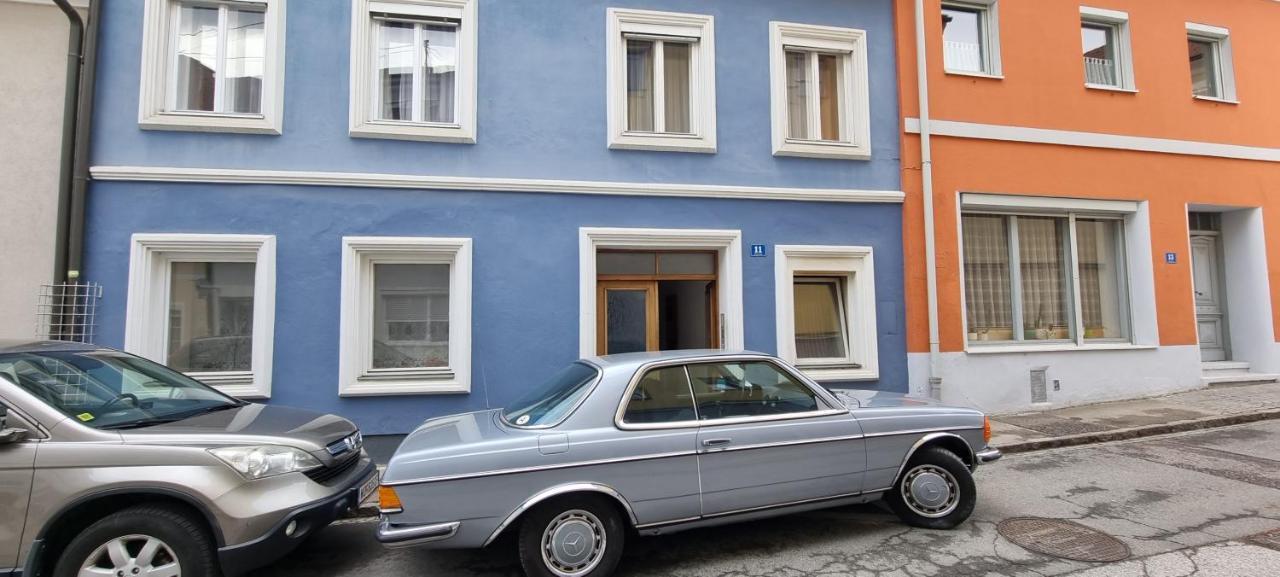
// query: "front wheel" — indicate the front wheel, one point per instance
point(144, 541)
point(576, 536)
point(935, 491)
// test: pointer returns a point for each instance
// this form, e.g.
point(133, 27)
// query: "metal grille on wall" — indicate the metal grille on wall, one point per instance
point(66, 312)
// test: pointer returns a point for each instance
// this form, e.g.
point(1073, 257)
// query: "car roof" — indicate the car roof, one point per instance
point(634, 360)
point(34, 346)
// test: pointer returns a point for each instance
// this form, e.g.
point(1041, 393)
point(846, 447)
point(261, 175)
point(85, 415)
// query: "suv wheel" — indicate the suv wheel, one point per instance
point(578, 536)
point(935, 491)
point(149, 540)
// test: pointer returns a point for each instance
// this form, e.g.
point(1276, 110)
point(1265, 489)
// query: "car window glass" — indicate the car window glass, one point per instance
point(661, 396)
point(548, 404)
point(747, 389)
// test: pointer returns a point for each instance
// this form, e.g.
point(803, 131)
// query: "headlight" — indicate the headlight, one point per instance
point(266, 460)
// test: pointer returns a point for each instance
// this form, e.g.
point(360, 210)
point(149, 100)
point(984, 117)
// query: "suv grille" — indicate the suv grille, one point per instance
point(323, 475)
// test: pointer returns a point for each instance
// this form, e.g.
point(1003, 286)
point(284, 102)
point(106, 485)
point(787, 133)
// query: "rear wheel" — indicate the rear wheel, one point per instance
point(576, 536)
point(935, 491)
point(142, 541)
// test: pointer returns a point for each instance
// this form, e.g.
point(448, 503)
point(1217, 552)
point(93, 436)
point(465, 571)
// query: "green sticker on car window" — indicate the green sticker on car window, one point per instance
point(86, 417)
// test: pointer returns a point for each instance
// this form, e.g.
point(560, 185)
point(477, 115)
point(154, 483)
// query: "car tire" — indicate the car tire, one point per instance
point(935, 491)
point(578, 536)
point(142, 537)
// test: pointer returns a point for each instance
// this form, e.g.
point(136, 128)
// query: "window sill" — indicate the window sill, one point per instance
point(455, 133)
point(388, 386)
point(830, 374)
point(662, 142)
point(233, 123)
point(1215, 99)
point(974, 74)
point(1105, 88)
point(819, 149)
point(1053, 348)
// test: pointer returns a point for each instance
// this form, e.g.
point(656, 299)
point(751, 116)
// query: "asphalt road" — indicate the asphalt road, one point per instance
point(1185, 505)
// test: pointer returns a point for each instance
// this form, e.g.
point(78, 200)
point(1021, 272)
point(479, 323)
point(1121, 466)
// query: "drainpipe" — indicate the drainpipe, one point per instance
point(84, 122)
point(75, 44)
point(926, 174)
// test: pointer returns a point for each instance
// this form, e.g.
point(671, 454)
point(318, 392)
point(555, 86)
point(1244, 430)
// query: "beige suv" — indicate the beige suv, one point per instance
point(116, 466)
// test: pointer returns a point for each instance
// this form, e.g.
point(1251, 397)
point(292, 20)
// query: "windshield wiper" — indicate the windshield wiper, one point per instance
point(140, 423)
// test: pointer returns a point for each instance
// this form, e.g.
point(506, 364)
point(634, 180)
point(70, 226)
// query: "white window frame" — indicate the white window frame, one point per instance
point(147, 313)
point(1225, 68)
point(726, 243)
point(159, 17)
point(702, 85)
point(364, 78)
point(855, 113)
point(359, 254)
point(856, 264)
point(989, 14)
point(1138, 273)
point(1118, 22)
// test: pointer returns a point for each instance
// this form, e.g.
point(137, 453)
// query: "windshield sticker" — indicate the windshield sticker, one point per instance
point(522, 420)
point(86, 417)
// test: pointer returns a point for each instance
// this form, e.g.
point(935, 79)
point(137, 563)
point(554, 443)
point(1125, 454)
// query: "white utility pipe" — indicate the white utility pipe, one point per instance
point(926, 175)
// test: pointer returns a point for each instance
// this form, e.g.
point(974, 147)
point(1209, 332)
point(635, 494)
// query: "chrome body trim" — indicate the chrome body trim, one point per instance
point(536, 468)
point(590, 391)
point(988, 455)
point(933, 437)
point(729, 448)
point(555, 492)
point(396, 536)
point(919, 431)
point(834, 406)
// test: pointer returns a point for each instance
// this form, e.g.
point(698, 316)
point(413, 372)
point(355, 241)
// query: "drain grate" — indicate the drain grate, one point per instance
point(1064, 539)
point(1270, 539)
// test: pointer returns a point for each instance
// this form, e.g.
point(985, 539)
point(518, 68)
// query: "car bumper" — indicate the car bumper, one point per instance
point(305, 519)
point(988, 455)
point(394, 536)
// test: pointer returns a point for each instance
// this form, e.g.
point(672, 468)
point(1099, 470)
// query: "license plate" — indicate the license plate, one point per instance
point(368, 487)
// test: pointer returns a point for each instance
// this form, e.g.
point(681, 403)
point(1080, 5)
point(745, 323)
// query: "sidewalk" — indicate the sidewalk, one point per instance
point(1216, 406)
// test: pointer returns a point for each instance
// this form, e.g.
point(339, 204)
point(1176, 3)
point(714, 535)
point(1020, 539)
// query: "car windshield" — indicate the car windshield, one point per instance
point(111, 390)
point(549, 403)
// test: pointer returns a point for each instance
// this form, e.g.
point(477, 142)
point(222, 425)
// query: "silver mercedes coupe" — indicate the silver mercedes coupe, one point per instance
point(653, 443)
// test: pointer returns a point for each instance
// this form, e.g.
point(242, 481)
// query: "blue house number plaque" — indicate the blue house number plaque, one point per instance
point(757, 250)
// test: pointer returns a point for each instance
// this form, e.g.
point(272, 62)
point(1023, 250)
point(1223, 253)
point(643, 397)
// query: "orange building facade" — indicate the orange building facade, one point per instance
point(1103, 185)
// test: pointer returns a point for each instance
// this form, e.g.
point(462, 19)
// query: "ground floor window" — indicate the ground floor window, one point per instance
point(1045, 278)
point(826, 311)
point(406, 316)
point(204, 305)
point(656, 300)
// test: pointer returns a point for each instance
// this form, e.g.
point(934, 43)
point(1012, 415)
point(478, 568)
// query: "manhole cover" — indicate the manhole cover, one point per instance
point(1064, 539)
point(1270, 539)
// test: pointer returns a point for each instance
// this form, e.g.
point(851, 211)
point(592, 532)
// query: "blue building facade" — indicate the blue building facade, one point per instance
point(398, 210)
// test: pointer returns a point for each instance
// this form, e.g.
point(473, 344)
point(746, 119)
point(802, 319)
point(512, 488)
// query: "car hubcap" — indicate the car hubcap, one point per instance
point(132, 556)
point(930, 491)
point(573, 543)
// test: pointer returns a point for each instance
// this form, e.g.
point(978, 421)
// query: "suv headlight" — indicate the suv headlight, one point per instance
point(266, 460)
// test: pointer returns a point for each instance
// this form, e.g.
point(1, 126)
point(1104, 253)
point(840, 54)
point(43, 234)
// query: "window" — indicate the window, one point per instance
point(747, 389)
point(204, 305)
point(971, 37)
point(1212, 71)
point(551, 402)
point(662, 396)
point(1045, 278)
point(826, 311)
point(820, 104)
point(406, 316)
point(661, 68)
point(413, 70)
point(213, 65)
point(1104, 37)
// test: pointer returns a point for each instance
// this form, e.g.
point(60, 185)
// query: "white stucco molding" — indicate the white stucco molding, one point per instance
point(1092, 140)
point(474, 183)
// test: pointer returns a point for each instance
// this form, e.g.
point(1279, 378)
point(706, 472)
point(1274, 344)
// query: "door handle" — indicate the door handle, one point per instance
point(716, 442)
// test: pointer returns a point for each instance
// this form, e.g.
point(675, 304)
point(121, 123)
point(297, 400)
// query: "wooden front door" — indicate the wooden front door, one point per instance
point(1211, 320)
point(627, 316)
point(656, 300)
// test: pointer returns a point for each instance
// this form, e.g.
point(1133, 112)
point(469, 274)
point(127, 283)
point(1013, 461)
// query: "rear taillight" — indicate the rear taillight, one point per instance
point(388, 500)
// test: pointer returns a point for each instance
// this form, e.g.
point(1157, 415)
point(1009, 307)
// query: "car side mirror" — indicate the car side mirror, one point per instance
point(8, 435)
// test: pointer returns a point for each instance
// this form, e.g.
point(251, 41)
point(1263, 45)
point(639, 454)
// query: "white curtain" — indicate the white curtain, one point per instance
point(986, 277)
point(1041, 243)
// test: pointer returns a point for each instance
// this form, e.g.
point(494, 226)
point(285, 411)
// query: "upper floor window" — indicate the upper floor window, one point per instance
point(1212, 71)
point(971, 37)
point(661, 69)
point(413, 69)
point(1108, 56)
point(213, 65)
point(819, 91)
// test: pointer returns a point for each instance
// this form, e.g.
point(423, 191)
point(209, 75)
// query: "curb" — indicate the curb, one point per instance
point(1139, 432)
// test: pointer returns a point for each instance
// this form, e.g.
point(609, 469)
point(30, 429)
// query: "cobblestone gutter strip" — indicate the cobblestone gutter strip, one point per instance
point(1139, 432)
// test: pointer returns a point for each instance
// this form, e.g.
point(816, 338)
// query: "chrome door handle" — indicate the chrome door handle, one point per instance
point(716, 442)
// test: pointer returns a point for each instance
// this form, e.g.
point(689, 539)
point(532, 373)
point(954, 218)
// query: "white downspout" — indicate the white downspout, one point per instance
point(926, 174)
